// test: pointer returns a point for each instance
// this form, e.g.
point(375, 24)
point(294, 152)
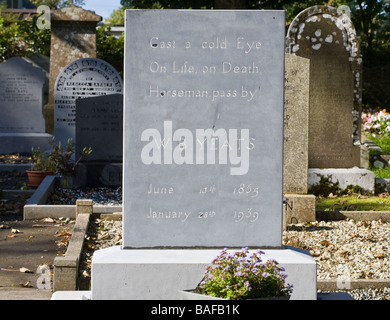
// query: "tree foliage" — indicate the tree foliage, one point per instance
point(167, 4)
point(110, 48)
point(117, 17)
point(371, 19)
point(57, 4)
point(22, 37)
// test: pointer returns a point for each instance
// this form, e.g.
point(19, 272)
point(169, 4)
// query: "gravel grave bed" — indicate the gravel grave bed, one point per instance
point(102, 196)
point(355, 249)
point(348, 249)
point(15, 158)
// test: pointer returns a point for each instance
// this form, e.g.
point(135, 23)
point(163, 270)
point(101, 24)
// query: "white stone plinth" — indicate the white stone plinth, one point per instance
point(354, 176)
point(138, 274)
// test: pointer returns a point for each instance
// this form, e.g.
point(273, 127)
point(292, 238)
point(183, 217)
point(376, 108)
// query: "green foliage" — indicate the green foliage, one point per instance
point(59, 159)
point(110, 48)
point(325, 187)
point(22, 37)
point(57, 4)
point(353, 204)
point(41, 161)
point(168, 4)
point(382, 141)
point(370, 18)
point(381, 173)
point(242, 276)
point(62, 157)
point(117, 17)
point(351, 189)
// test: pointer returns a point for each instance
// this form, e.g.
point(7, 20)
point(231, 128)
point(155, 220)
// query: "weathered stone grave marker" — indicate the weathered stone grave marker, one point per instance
point(300, 206)
point(203, 151)
point(296, 124)
point(22, 125)
point(82, 78)
point(73, 37)
point(327, 37)
point(99, 125)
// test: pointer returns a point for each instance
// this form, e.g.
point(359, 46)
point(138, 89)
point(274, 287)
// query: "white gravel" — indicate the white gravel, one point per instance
point(348, 249)
point(355, 249)
point(101, 196)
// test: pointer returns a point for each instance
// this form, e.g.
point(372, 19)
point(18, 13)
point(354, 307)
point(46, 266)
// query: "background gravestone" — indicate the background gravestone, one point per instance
point(73, 36)
point(296, 124)
point(22, 125)
point(213, 73)
point(21, 97)
point(300, 207)
point(327, 37)
point(99, 125)
point(81, 79)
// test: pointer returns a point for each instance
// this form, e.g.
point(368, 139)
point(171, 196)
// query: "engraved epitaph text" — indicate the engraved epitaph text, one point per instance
point(203, 128)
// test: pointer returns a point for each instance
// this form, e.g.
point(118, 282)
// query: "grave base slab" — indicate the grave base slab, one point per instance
point(24, 142)
point(149, 274)
point(351, 176)
point(300, 208)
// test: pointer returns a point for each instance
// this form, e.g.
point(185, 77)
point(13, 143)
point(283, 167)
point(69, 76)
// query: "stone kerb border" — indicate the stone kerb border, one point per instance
point(355, 215)
point(351, 284)
point(66, 267)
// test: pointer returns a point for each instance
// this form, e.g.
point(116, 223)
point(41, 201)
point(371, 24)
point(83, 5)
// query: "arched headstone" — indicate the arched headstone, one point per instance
point(327, 37)
point(21, 97)
point(82, 78)
point(22, 124)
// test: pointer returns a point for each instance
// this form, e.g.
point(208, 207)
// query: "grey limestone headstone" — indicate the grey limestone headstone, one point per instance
point(203, 128)
point(296, 124)
point(327, 37)
point(83, 78)
point(21, 97)
point(99, 125)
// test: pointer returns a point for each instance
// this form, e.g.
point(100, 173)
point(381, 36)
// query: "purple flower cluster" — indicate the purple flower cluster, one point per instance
point(241, 275)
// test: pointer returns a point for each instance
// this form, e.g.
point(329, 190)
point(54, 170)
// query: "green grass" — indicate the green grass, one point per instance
point(383, 173)
point(382, 141)
point(353, 204)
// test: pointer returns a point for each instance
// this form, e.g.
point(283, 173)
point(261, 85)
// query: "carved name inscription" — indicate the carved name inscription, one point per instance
point(82, 78)
point(199, 151)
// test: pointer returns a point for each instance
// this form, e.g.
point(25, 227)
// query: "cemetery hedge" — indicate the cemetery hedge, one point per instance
point(22, 38)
